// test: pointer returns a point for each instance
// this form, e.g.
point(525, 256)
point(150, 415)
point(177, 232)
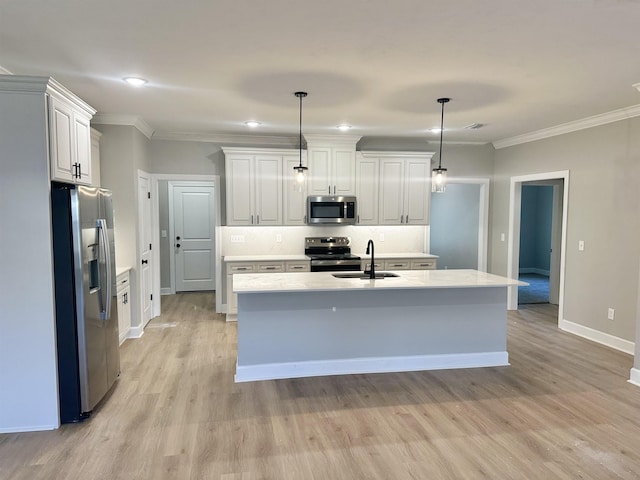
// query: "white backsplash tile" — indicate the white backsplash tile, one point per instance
point(290, 240)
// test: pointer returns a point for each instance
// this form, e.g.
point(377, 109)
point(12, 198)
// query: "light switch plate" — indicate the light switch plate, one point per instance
point(278, 238)
point(163, 233)
point(611, 313)
point(237, 238)
point(581, 245)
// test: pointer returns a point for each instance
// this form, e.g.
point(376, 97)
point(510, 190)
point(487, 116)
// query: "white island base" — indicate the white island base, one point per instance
point(361, 326)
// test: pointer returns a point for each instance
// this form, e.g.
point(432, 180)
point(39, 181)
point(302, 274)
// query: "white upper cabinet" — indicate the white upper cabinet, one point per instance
point(255, 184)
point(294, 195)
point(332, 164)
point(404, 187)
point(69, 136)
point(367, 174)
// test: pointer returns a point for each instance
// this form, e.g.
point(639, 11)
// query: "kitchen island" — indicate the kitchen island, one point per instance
point(310, 324)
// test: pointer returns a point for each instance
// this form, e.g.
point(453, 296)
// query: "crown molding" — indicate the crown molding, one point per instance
point(316, 139)
point(455, 142)
point(396, 153)
point(4, 71)
point(130, 120)
point(589, 122)
point(228, 139)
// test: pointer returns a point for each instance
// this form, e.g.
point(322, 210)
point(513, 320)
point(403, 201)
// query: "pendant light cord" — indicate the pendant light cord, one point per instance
point(442, 101)
point(300, 96)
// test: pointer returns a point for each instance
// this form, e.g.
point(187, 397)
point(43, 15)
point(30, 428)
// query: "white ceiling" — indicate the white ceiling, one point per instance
point(515, 66)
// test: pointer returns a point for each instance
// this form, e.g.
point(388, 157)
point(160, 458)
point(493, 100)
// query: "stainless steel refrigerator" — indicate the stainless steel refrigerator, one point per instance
point(85, 297)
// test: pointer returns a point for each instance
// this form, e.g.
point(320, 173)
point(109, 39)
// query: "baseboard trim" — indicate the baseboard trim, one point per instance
point(598, 336)
point(272, 371)
point(31, 428)
point(135, 332)
point(165, 291)
point(232, 317)
point(539, 271)
point(634, 377)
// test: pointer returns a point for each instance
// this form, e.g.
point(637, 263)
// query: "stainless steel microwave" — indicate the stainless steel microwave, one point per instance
point(326, 209)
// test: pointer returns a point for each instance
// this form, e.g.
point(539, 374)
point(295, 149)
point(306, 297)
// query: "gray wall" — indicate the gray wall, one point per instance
point(455, 215)
point(28, 375)
point(535, 228)
point(604, 166)
point(124, 151)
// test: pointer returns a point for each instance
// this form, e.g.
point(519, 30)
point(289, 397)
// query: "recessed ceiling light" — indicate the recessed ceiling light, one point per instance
point(434, 130)
point(135, 81)
point(344, 127)
point(252, 123)
point(637, 86)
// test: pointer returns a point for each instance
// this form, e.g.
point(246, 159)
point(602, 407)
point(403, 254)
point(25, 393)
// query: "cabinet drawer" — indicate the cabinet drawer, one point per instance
point(367, 265)
point(270, 267)
point(240, 268)
point(423, 264)
point(298, 267)
point(122, 281)
point(397, 265)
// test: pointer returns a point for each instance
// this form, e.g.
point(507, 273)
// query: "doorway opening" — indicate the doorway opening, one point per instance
point(537, 236)
point(163, 272)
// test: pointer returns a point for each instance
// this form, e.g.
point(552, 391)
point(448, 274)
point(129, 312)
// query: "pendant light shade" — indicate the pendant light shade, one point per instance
point(439, 175)
point(300, 170)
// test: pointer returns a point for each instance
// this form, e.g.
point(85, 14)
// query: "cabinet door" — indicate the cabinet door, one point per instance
point(240, 191)
point(367, 190)
point(417, 191)
point(124, 313)
point(82, 145)
point(319, 171)
point(268, 187)
point(343, 172)
point(295, 197)
point(391, 195)
point(61, 141)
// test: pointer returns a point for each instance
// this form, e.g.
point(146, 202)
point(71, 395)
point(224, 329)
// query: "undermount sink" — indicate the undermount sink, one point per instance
point(364, 276)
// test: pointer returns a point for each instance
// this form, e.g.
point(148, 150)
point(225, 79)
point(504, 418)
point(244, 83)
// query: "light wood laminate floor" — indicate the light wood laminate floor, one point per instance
point(562, 410)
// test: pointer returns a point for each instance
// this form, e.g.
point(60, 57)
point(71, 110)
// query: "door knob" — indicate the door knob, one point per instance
point(177, 245)
point(144, 262)
point(178, 237)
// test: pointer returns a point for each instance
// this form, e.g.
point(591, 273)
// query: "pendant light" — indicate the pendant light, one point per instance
point(439, 175)
point(301, 171)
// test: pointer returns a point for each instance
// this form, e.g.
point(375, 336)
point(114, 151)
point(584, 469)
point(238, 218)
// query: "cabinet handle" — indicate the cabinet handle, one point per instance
point(79, 170)
point(401, 218)
point(269, 268)
point(358, 218)
point(257, 219)
point(406, 219)
point(251, 219)
point(334, 189)
point(329, 190)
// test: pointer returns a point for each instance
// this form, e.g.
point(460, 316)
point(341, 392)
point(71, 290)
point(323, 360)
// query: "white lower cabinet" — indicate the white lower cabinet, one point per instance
point(234, 268)
point(402, 264)
point(123, 291)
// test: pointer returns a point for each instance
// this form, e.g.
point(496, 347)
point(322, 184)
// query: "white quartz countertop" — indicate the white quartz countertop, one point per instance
point(407, 279)
point(121, 270)
point(388, 256)
point(265, 258)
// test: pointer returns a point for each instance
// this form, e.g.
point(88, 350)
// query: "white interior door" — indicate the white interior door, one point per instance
point(145, 248)
point(193, 237)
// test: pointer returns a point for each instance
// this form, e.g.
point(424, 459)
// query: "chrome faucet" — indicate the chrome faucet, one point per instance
point(372, 269)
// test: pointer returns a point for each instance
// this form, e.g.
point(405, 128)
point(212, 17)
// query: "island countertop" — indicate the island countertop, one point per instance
point(407, 279)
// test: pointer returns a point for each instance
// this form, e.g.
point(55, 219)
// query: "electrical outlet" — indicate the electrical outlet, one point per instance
point(611, 313)
point(278, 238)
point(163, 233)
point(237, 238)
point(581, 245)
point(382, 237)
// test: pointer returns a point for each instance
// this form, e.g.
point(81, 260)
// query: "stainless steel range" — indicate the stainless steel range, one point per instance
point(331, 254)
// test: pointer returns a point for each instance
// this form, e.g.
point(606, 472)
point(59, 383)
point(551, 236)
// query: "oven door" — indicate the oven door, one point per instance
point(335, 265)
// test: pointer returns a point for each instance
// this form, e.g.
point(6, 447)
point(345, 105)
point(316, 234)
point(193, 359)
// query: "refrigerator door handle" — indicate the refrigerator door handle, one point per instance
point(101, 224)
